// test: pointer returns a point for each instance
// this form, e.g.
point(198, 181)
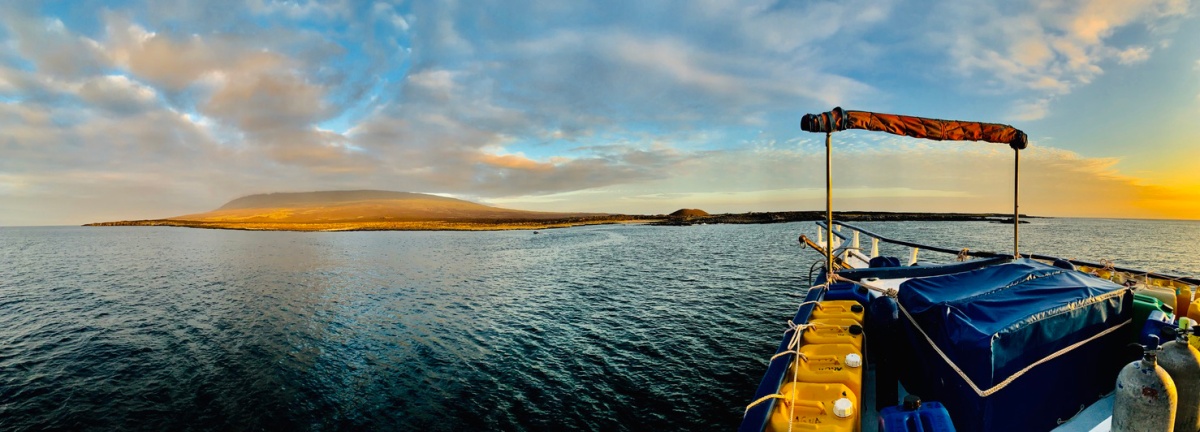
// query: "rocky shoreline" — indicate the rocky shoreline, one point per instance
point(529, 224)
point(394, 225)
point(851, 216)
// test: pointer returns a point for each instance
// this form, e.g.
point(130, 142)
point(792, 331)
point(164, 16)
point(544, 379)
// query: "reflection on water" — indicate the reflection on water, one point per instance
point(613, 328)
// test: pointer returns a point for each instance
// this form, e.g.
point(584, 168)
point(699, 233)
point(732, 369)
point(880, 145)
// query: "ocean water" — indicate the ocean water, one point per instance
point(589, 328)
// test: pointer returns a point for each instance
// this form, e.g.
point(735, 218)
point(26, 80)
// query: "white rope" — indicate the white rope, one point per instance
point(793, 348)
point(817, 303)
point(1013, 377)
point(761, 400)
point(793, 345)
point(783, 353)
point(890, 292)
point(795, 372)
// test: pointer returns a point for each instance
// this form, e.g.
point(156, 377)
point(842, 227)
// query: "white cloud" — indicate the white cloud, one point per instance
point(117, 93)
point(200, 102)
point(438, 83)
point(1133, 55)
point(299, 9)
point(1030, 110)
point(1197, 68)
point(1045, 49)
point(387, 13)
point(53, 50)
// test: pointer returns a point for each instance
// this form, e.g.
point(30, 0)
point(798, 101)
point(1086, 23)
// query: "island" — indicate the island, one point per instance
point(375, 210)
point(686, 217)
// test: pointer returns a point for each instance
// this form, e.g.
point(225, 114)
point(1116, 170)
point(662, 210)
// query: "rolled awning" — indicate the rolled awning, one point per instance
point(916, 127)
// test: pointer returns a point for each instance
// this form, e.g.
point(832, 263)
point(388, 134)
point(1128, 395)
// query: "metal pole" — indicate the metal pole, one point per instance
point(828, 209)
point(1016, 193)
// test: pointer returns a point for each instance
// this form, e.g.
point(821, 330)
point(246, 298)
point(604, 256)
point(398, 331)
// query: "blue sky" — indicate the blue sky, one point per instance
point(132, 110)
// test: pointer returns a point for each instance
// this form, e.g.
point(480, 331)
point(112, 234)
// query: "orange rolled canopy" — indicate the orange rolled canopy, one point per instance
point(916, 127)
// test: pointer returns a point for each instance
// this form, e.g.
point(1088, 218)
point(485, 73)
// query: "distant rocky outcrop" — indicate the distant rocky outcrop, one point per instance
point(689, 213)
point(848, 216)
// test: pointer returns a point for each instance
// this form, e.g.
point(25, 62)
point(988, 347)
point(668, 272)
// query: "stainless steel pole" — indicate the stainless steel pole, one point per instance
point(828, 209)
point(1016, 193)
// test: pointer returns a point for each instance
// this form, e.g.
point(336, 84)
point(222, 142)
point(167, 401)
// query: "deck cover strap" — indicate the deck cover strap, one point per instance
point(1014, 376)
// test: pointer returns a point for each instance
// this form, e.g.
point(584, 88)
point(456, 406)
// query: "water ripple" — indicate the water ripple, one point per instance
point(596, 328)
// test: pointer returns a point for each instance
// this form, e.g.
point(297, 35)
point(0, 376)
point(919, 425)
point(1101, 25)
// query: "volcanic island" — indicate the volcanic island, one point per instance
point(375, 210)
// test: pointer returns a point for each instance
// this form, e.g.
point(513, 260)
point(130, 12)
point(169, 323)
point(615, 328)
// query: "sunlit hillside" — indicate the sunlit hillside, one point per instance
point(360, 206)
point(370, 210)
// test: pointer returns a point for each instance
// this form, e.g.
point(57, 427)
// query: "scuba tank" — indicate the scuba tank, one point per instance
point(1182, 363)
point(1146, 398)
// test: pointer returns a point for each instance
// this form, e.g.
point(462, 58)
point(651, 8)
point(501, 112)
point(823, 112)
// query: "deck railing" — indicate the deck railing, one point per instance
point(841, 251)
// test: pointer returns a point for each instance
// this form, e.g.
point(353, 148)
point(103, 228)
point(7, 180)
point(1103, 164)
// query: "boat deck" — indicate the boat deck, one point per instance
point(1095, 418)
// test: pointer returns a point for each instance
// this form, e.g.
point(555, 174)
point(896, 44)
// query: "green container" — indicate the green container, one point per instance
point(1143, 305)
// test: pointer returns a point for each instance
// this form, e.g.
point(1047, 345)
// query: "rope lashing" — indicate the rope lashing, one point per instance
point(819, 287)
point(761, 400)
point(817, 303)
point(783, 353)
point(964, 255)
point(889, 292)
point(793, 347)
point(1000, 386)
point(985, 393)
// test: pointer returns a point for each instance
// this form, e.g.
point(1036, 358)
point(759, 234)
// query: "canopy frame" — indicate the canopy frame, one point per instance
point(838, 119)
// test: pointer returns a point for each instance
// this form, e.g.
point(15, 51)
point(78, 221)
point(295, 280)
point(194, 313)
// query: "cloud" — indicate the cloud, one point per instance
point(52, 48)
point(1133, 55)
point(269, 92)
point(451, 138)
point(1030, 110)
point(580, 105)
point(1197, 68)
point(258, 102)
point(1045, 50)
point(889, 175)
point(297, 9)
point(388, 14)
point(254, 104)
point(576, 68)
point(159, 59)
point(118, 94)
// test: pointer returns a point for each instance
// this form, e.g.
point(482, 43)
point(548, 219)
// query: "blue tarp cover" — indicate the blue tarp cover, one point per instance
point(997, 320)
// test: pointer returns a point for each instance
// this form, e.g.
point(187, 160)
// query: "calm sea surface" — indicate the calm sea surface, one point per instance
point(593, 328)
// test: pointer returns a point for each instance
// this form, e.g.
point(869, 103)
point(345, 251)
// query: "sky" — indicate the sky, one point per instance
point(122, 110)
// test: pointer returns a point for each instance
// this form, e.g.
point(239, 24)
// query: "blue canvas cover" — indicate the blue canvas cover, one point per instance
point(995, 321)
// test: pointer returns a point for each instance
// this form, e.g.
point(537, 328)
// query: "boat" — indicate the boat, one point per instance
point(991, 341)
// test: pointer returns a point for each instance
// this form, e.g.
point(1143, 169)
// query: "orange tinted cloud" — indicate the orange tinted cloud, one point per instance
point(897, 175)
point(515, 162)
